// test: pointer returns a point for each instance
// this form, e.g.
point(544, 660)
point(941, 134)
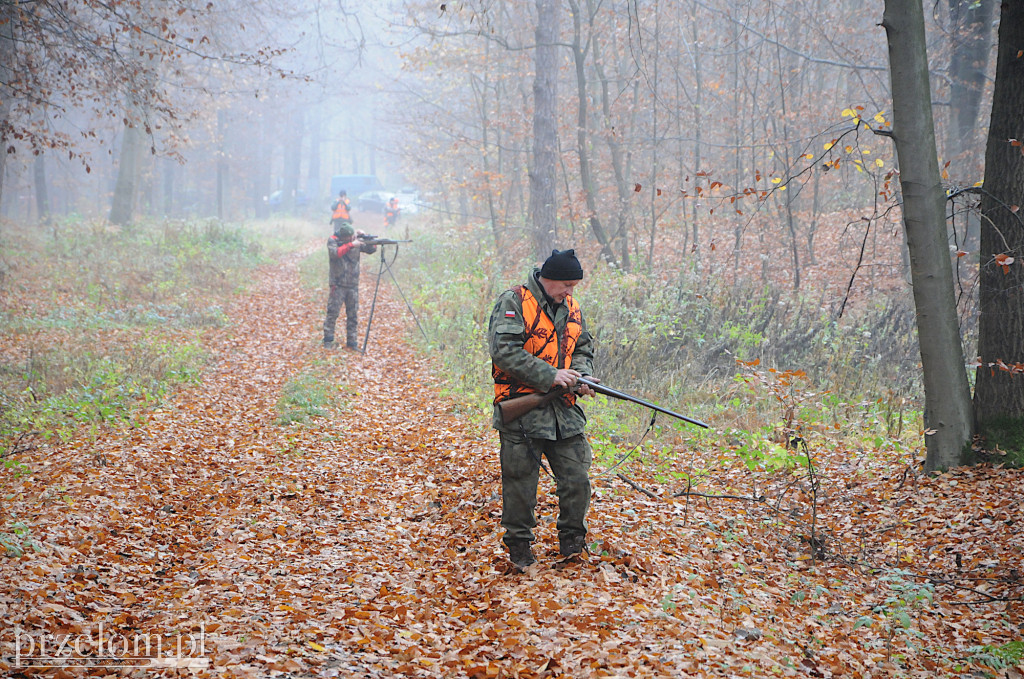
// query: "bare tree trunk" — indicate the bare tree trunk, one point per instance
point(698, 124)
point(7, 10)
point(122, 207)
point(947, 415)
point(485, 106)
point(999, 394)
point(42, 196)
point(543, 173)
point(655, 141)
point(579, 54)
point(221, 165)
point(971, 38)
point(970, 34)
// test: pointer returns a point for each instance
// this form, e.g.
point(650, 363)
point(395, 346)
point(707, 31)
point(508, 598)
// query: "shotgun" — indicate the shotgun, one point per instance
point(367, 239)
point(514, 408)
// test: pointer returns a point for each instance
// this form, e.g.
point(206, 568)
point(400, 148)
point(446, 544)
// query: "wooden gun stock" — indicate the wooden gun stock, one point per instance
point(514, 408)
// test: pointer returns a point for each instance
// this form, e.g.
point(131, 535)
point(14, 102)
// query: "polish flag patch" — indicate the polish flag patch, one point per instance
point(510, 314)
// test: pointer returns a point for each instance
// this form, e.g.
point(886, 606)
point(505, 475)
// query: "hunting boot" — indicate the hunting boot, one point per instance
point(571, 545)
point(520, 554)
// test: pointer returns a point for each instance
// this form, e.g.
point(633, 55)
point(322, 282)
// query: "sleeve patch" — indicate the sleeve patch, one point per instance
point(510, 314)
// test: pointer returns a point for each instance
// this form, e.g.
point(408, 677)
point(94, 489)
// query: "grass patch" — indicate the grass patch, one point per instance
point(313, 270)
point(308, 395)
point(100, 321)
point(57, 390)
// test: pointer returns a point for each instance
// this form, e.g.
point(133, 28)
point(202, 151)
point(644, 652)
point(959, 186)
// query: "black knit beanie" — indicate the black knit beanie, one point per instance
point(562, 265)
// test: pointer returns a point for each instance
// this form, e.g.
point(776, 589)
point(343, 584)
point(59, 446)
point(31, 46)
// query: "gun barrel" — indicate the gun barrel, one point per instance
point(384, 241)
point(608, 391)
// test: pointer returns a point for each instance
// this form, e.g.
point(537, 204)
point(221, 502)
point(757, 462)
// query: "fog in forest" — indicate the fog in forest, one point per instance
point(675, 115)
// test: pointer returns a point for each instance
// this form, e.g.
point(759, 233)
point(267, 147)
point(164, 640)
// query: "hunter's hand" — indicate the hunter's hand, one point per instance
point(585, 389)
point(566, 377)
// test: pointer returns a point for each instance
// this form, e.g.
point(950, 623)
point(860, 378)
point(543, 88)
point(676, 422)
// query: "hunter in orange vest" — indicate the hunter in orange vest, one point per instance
point(538, 340)
point(340, 210)
point(391, 212)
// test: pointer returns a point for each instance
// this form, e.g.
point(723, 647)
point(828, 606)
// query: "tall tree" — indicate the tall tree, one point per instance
point(122, 205)
point(7, 83)
point(543, 170)
point(970, 37)
point(999, 386)
point(947, 414)
point(580, 49)
point(131, 61)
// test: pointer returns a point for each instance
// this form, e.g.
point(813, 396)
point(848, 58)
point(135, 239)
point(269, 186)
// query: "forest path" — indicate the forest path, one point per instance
point(367, 543)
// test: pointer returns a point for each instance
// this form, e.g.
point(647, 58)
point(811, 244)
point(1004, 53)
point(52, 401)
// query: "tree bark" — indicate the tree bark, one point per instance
point(42, 195)
point(6, 61)
point(582, 140)
point(122, 207)
point(543, 208)
point(970, 35)
point(999, 393)
point(971, 40)
point(947, 415)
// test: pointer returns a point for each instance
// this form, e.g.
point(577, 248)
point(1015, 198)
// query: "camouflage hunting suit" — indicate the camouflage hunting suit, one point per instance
point(554, 430)
point(344, 282)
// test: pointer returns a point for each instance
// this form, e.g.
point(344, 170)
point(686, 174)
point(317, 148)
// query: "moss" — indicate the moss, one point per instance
point(1007, 434)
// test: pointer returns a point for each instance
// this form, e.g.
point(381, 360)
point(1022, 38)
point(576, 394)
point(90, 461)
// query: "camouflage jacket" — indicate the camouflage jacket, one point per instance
point(344, 259)
point(506, 336)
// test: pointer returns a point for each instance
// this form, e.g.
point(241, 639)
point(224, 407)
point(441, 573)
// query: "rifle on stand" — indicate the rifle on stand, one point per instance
point(368, 239)
point(514, 408)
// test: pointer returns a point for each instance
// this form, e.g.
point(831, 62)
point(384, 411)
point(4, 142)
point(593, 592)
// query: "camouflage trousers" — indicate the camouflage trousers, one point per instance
point(569, 460)
point(350, 298)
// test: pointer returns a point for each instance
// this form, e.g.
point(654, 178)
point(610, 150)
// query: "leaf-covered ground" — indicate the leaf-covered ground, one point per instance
point(366, 543)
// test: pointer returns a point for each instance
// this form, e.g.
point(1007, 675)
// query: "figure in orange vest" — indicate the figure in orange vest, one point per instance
point(391, 212)
point(539, 341)
point(340, 212)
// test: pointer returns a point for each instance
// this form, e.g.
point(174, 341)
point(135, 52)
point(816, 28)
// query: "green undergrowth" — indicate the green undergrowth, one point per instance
point(998, 656)
point(310, 394)
point(57, 390)
point(752, 361)
point(1003, 438)
point(106, 320)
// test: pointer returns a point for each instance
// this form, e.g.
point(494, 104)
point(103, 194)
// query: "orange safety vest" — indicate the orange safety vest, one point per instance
point(543, 342)
point(341, 210)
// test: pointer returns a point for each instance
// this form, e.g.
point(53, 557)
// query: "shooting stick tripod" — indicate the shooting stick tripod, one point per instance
point(385, 264)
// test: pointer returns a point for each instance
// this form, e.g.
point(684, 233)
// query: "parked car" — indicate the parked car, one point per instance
point(372, 201)
point(408, 200)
